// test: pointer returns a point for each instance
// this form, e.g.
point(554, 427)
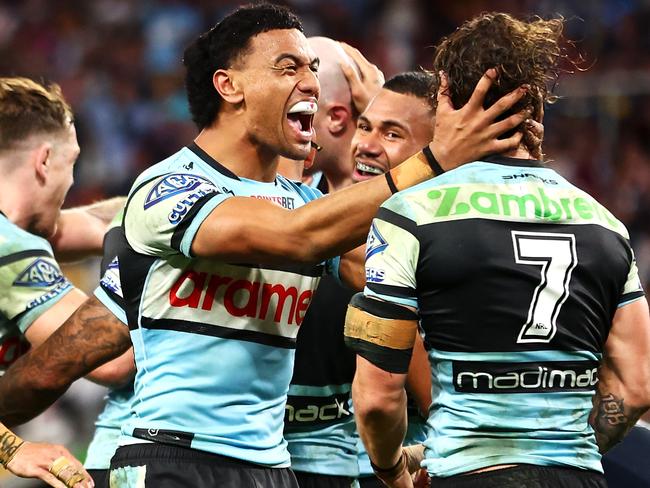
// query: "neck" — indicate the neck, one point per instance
point(228, 143)
point(520, 153)
point(15, 202)
point(337, 181)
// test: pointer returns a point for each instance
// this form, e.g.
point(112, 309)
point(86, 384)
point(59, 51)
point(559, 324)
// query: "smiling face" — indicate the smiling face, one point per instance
point(277, 75)
point(393, 127)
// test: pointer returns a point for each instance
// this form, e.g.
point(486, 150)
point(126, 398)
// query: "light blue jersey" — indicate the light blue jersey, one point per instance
point(213, 341)
point(30, 283)
point(516, 275)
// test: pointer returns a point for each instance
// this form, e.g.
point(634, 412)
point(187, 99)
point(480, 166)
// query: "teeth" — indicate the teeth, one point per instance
point(304, 107)
point(369, 169)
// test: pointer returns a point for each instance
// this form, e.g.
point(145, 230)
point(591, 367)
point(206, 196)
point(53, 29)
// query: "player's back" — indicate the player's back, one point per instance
point(516, 274)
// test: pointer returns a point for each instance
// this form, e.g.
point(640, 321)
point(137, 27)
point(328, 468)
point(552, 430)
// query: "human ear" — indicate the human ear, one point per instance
point(227, 85)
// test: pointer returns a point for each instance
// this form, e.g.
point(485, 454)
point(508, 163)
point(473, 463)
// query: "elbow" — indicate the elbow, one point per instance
point(377, 402)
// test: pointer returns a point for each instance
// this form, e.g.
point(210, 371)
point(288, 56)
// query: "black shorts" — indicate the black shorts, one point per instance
point(370, 482)
point(164, 466)
point(100, 477)
point(525, 475)
point(313, 480)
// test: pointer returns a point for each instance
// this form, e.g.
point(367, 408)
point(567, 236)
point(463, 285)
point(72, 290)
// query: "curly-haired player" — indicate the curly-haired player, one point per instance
point(528, 293)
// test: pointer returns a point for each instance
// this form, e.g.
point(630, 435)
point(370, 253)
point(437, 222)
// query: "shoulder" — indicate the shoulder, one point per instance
point(14, 240)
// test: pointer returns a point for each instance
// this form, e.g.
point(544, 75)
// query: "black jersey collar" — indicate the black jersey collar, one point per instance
point(498, 159)
point(212, 162)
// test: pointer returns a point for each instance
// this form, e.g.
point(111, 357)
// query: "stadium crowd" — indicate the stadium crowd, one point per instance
point(117, 62)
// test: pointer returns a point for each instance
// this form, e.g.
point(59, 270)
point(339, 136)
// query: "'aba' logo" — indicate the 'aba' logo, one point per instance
point(375, 243)
point(40, 273)
point(173, 185)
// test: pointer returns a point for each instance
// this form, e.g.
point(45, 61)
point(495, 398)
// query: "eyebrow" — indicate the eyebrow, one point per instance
point(384, 123)
point(296, 59)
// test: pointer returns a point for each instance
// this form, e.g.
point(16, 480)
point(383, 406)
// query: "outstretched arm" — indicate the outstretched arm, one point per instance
point(90, 337)
point(623, 393)
point(80, 230)
point(239, 229)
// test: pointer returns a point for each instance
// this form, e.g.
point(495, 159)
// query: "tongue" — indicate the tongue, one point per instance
point(294, 121)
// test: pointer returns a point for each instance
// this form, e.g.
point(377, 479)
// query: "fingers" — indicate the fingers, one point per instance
point(443, 98)
point(481, 89)
point(350, 74)
point(368, 71)
point(505, 102)
point(51, 480)
point(505, 145)
point(503, 126)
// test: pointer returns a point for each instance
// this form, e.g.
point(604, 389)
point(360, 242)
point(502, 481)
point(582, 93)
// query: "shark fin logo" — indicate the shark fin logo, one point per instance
point(375, 243)
point(173, 185)
point(40, 273)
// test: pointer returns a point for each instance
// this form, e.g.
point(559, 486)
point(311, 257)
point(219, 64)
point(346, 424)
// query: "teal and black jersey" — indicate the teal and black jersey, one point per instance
point(214, 342)
point(318, 422)
point(30, 283)
point(117, 409)
point(516, 275)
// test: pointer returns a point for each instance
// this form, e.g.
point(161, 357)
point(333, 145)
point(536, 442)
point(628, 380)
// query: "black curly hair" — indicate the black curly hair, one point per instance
point(219, 48)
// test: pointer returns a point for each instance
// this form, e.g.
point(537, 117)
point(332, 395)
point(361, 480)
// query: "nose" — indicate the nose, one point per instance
point(367, 144)
point(309, 84)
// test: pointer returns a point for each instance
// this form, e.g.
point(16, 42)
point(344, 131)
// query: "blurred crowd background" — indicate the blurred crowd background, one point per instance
point(119, 64)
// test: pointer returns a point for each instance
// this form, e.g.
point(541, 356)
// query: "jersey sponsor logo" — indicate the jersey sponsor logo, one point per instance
point(375, 243)
point(40, 273)
point(54, 292)
point(240, 297)
point(111, 278)
point(375, 275)
point(456, 201)
point(11, 349)
point(302, 410)
point(492, 377)
point(284, 202)
point(519, 176)
point(183, 206)
point(173, 185)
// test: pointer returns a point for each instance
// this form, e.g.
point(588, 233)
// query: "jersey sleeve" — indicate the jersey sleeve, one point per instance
point(163, 214)
point(392, 252)
point(31, 282)
point(632, 290)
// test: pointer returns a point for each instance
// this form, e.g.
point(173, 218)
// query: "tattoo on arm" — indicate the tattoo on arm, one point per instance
point(91, 337)
point(9, 444)
point(611, 419)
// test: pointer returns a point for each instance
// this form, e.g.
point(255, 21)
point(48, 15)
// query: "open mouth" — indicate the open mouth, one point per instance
point(367, 170)
point(301, 116)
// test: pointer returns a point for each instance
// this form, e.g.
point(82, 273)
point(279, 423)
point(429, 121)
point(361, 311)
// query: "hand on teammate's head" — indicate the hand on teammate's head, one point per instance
point(364, 83)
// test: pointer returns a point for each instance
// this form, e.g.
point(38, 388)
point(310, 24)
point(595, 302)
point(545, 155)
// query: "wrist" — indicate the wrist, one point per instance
point(10, 443)
point(391, 472)
point(414, 170)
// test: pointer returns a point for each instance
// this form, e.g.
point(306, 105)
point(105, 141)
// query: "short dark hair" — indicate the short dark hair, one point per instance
point(28, 107)
point(416, 83)
point(219, 48)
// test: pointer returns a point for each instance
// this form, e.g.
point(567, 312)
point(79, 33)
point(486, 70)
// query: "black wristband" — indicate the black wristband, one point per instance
point(391, 183)
point(433, 162)
point(379, 470)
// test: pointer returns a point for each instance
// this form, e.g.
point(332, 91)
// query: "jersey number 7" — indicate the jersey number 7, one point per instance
point(556, 256)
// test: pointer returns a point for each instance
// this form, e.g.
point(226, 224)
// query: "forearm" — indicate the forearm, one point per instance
point(115, 373)
point(382, 432)
point(381, 421)
point(80, 230)
point(340, 221)
point(88, 339)
point(614, 413)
